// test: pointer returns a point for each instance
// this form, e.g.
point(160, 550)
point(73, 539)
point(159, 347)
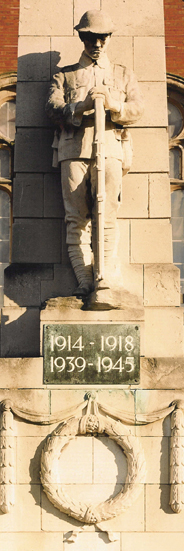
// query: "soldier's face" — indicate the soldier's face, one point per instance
point(95, 44)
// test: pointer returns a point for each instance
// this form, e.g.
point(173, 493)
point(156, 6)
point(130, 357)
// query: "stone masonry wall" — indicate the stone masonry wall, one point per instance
point(91, 468)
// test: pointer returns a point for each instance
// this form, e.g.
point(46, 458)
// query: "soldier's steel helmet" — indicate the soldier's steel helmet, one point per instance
point(95, 21)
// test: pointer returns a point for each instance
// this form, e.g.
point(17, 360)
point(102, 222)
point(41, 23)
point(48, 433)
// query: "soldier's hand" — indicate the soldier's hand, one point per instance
point(88, 103)
point(109, 102)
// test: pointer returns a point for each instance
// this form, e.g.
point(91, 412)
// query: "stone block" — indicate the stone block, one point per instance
point(33, 152)
point(36, 241)
point(120, 51)
point(159, 516)
point(20, 332)
point(21, 372)
point(150, 150)
point(161, 285)
point(34, 58)
point(95, 541)
point(162, 373)
point(139, 19)
point(163, 332)
point(133, 278)
point(33, 400)
point(155, 104)
point(134, 196)
point(28, 459)
point(132, 519)
point(151, 241)
point(31, 540)
point(28, 196)
point(124, 238)
point(53, 201)
point(25, 516)
point(64, 283)
point(65, 50)
point(159, 196)
point(22, 283)
point(37, 18)
point(110, 464)
point(152, 541)
point(149, 67)
point(23, 428)
point(75, 462)
point(30, 104)
point(156, 452)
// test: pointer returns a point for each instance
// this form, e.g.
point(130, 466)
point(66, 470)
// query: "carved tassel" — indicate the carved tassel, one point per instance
point(177, 460)
point(7, 458)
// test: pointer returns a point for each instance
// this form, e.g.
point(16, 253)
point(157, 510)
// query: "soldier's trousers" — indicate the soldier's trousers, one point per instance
point(77, 176)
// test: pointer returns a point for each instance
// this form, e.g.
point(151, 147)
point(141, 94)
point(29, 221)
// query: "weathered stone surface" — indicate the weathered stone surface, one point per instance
point(162, 373)
point(53, 201)
point(97, 541)
point(21, 372)
point(22, 283)
point(28, 196)
point(134, 196)
point(34, 400)
point(156, 451)
point(30, 104)
point(161, 285)
point(17, 520)
point(149, 67)
point(108, 453)
point(31, 540)
point(153, 540)
point(159, 517)
point(37, 18)
point(155, 104)
point(19, 332)
point(65, 50)
point(64, 283)
point(159, 196)
point(36, 241)
point(151, 241)
point(34, 58)
point(28, 459)
point(150, 150)
point(163, 332)
point(143, 19)
point(36, 145)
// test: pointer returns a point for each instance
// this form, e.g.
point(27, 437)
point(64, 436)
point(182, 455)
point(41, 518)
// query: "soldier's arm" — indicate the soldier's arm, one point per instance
point(132, 108)
point(62, 113)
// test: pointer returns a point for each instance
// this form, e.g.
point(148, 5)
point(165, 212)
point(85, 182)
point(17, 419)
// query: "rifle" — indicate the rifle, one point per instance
point(99, 145)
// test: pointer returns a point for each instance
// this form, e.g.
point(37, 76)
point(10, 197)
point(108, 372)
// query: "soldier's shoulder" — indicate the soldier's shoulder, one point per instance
point(69, 68)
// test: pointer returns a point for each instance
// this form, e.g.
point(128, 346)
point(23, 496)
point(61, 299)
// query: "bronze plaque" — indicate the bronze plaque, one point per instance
point(91, 354)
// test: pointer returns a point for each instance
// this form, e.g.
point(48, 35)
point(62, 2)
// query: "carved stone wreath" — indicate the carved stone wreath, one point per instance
point(54, 446)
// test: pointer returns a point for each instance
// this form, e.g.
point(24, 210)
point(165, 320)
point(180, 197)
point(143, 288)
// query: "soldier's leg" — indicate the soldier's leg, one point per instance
point(74, 175)
point(113, 177)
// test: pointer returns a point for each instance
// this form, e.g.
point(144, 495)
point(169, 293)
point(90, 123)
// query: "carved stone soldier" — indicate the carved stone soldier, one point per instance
point(71, 107)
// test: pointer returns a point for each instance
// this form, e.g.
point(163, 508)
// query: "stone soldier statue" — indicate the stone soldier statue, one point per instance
point(71, 107)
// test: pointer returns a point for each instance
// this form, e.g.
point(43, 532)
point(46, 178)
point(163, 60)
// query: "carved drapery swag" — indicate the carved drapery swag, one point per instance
point(99, 418)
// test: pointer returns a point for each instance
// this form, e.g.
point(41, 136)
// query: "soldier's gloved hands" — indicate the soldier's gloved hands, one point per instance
point(109, 102)
point(88, 103)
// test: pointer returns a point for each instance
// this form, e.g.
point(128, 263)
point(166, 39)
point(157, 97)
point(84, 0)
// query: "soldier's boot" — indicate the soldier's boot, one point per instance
point(80, 258)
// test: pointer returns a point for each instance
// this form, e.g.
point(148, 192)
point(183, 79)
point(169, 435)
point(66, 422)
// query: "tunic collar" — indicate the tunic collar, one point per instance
point(103, 61)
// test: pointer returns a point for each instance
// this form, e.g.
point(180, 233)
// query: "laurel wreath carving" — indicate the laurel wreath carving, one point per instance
point(54, 446)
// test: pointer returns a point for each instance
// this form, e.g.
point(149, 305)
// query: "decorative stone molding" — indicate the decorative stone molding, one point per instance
point(7, 458)
point(94, 424)
point(177, 458)
point(103, 419)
